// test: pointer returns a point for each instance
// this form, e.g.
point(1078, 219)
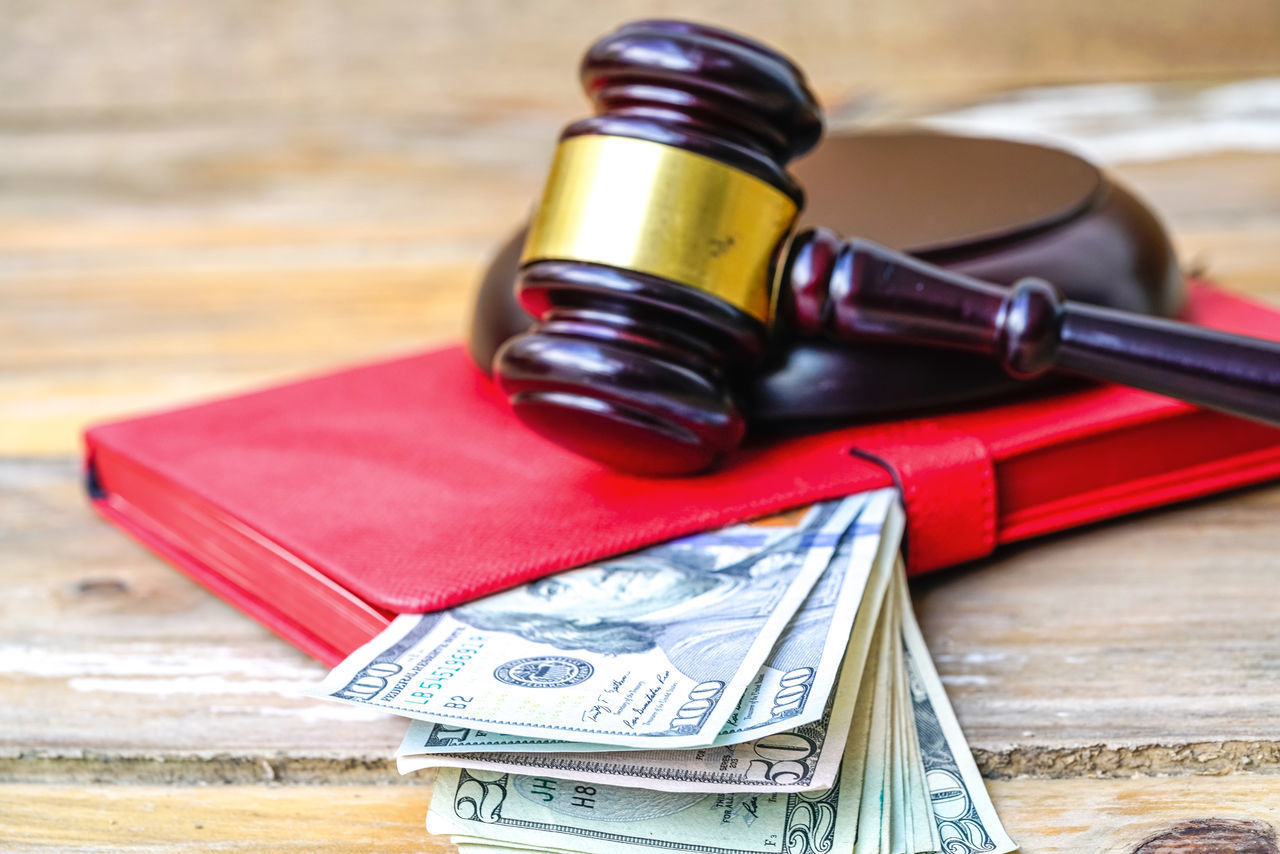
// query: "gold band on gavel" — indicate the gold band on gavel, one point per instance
point(664, 211)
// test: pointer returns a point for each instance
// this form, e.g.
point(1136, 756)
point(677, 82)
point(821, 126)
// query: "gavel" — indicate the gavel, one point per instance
point(661, 256)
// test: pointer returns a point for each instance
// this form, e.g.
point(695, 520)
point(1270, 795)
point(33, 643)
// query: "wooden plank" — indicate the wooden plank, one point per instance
point(232, 257)
point(1243, 259)
point(1139, 646)
point(1143, 646)
point(1119, 816)
point(464, 57)
point(109, 345)
point(206, 818)
point(270, 183)
point(1043, 816)
point(120, 307)
point(112, 663)
point(1220, 192)
point(156, 266)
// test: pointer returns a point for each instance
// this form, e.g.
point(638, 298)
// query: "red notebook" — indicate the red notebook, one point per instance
point(325, 507)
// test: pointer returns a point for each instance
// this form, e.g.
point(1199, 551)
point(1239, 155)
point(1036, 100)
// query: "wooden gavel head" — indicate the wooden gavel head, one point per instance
point(662, 250)
point(650, 260)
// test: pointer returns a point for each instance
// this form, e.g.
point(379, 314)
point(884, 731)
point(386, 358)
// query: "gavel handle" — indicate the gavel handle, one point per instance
point(876, 293)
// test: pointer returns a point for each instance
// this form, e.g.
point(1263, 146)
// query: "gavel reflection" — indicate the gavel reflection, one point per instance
point(661, 253)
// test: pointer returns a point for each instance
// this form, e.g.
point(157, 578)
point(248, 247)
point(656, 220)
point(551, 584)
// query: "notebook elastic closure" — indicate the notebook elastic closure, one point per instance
point(947, 478)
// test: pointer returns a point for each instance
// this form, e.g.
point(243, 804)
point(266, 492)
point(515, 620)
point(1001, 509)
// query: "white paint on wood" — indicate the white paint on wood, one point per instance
point(153, 661)
point(1131, 123)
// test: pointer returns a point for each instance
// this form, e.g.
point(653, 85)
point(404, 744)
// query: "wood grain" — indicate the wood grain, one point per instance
point(77, 59)
point(248, 203)
point(1085, 653)
point(115, 305)
point(113, 666)
point(1239, 836)
point(1138, 647)
point(236, 818)
point(1043, 816)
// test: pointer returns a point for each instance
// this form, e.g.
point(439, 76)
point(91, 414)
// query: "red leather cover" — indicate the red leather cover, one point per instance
point(326, 506)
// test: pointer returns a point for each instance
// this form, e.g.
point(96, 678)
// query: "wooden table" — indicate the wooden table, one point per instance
point(1114, 682)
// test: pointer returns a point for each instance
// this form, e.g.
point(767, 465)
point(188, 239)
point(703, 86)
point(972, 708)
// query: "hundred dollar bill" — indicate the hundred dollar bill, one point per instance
point(795, 682)
point(835, 623)
point(486, 812)
point(490, 812)
point(797, 759)
point(966, 820)
point(653, 649)
point(801, 759)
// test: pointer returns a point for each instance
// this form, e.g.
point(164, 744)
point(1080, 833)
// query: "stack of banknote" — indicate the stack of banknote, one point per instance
point(761, 688)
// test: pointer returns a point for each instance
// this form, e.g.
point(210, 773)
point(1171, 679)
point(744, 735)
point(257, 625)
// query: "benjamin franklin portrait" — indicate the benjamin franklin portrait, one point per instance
point(678, 598)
